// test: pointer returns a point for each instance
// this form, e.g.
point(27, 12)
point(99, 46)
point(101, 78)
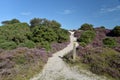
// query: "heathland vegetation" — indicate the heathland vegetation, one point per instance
point(25, 48)
point(98, 50)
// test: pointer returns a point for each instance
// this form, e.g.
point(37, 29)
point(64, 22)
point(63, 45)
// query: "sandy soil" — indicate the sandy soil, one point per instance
point(57, 69)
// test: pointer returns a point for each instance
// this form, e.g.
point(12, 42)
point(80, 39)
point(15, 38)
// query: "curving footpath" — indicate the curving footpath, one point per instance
point(56, 69)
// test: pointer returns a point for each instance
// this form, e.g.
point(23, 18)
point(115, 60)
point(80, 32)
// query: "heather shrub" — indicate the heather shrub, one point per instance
point(104, 62)
point(8, 45)
point(20, 59)
point(109, 42)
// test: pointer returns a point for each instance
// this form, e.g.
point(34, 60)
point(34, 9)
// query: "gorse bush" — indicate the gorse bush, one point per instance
point(8, 45)
point(43, 34)
point(18, 32)
point(27, 43)
point(41, 31)
point(110, 42)
point(86, 37)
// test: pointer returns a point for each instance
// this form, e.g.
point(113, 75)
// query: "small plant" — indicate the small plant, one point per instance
point(27, 43)
point(8, 45)
point(46, 45)
point(109, 42)
point(20, 59)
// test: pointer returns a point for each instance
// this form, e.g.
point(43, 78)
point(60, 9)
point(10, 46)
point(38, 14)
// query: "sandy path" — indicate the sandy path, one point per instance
point(56, 69)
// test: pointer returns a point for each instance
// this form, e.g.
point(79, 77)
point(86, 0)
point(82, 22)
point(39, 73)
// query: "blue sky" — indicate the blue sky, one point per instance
point(70, 13)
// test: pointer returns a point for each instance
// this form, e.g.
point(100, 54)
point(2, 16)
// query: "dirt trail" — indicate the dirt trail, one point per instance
point(56, 69)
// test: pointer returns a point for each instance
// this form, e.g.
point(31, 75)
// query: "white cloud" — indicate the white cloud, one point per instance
point(105, 10)
point(25, 13)
point(66, 12)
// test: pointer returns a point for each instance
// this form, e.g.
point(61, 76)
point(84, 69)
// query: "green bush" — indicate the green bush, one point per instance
point(8, 45)
point(83, 44)
point(86, 26)
point(63, 35)
point(44, 34)
point(109, 42)
point(18, 32)
point(46, 45)
point(86, 37)
point(116, 31)
point(27, 43)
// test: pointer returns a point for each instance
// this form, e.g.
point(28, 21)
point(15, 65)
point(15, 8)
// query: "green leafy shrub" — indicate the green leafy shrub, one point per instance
point(27, 43)
point(46, 45)
point(86, 37)
point(18, 32)
point(110, 42)
point(116, 31)
point(8, 45)
point(63, 35)
point(43, 34)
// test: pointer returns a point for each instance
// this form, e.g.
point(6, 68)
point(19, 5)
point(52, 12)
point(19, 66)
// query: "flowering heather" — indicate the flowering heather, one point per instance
point(25, 57)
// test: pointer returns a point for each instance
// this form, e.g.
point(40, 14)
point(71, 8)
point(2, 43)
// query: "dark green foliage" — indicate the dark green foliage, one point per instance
point(27, 43)
point(110, 42)
point(86, 26)
point(8, 45)
point(10, 22)
point(18, 32)
point(116, 31)
point(62, 35)
point(103, 27)
point(86, 37)
point(43, 32)
point(44, 22)
point(45, 44)
point(55, 24)
point(35, 22)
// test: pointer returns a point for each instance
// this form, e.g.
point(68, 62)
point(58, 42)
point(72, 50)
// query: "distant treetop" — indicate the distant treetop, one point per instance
point(10, 21)
point(86, 26)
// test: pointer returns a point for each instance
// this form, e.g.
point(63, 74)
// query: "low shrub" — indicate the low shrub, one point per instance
point(109, 42)
point(86, 37)
point(104, 63)
point(8, 45)
point(44, 44)
point(116, 31)
point(27, 43)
